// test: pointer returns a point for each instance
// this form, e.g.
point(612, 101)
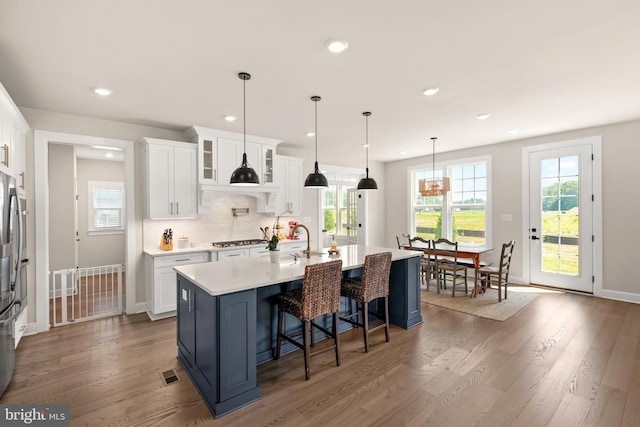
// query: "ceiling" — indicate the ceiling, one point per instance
point(538, 67)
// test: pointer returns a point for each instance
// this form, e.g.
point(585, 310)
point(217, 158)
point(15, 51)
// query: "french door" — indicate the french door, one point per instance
point(561, 217)
point(352, 216)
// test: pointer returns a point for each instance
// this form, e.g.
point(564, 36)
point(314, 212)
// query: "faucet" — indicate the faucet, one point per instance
point(308, 251)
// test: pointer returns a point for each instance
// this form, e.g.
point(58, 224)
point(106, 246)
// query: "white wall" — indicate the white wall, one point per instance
point(621, 150)
point(104, 249)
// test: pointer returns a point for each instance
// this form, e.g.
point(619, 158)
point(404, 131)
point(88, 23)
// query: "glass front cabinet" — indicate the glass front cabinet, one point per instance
point(220, 152)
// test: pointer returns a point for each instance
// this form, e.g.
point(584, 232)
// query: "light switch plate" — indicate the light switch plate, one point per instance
point(506, 217)
point(184, 295)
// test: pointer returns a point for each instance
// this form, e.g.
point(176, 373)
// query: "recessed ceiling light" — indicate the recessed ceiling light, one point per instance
point(108, 154)
point(512, 130)
point(103, 91)
point(337, 46)
point(366, 145)
point(230, 118)
point(483, 116)
point(430, 91)
point(310, 134)
point(402, 152)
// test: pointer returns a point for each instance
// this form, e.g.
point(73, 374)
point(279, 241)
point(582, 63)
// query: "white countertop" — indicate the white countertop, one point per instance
point(156, 251)
point(219, 278)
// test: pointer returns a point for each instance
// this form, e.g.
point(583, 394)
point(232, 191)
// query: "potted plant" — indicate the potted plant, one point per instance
point(274, 252)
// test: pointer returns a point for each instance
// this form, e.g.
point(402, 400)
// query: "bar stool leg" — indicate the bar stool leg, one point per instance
point(336, 336)
point(365, 325)
point(307, 356)
point(386, 317)
point(279, 339)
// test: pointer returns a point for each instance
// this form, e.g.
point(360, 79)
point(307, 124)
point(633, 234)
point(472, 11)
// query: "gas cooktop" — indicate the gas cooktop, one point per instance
point(233, 243)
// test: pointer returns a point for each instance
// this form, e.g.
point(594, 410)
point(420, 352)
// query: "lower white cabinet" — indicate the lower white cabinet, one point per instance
point(161, 281)
point(233, 254)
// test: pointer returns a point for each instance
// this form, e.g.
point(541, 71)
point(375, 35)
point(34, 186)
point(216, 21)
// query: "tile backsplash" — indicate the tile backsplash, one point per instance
point(218, 225)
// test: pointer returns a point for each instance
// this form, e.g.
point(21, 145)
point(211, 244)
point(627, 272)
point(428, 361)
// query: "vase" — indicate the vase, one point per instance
point(275, 256)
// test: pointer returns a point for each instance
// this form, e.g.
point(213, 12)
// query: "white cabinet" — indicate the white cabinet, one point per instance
point(290, 183)
point(171, 179)
point(220, 153)
point(233, 254)
point(13, 130)
point(161, 280)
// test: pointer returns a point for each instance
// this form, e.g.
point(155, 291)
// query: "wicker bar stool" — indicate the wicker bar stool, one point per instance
point(373, 284)
point(319, 295)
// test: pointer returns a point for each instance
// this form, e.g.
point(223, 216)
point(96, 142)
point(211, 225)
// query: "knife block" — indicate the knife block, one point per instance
point(166, 246)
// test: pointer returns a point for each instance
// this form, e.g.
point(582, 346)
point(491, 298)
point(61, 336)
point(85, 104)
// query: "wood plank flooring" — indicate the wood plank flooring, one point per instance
point(564, 360)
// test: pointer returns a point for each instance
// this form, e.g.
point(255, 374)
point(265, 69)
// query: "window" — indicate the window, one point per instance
point(334, 198)
point(462, 215)
point(106, 207)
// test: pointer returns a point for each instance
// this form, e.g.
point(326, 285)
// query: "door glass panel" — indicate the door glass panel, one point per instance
point(560, 215)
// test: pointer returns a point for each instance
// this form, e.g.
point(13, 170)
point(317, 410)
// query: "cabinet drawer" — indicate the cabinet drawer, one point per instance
point(174, 260)
point(234, 254)
point(258, 252)
point(294, 247)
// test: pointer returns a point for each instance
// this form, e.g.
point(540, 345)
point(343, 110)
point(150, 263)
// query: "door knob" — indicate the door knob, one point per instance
point(535, 238)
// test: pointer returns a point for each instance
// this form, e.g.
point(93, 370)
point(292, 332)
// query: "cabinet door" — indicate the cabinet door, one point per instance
point(208, 161)
point(160, 181)
point(229, 158)
point(5, 146)
point(19, 166)
point(254, 157)
point(293, 186)
point(268, 154)
point(186, 333)
point(164, 297)
point(185, 187)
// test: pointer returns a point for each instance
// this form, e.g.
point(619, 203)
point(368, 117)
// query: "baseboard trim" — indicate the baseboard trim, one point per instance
point(620, 296)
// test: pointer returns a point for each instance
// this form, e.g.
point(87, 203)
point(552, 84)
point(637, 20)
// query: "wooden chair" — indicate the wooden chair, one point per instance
point(427, 261)
point(398, 242)
point(319, 295)
point(447, 265)
point(373, 284)
point(496, 275)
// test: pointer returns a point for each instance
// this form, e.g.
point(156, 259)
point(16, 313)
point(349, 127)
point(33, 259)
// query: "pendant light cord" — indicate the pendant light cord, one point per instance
point(316, 128)
point(366, 118)
point(244, 115)
point(433, 159)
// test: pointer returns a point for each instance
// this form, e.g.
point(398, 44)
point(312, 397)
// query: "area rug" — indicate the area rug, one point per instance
point(484, 305)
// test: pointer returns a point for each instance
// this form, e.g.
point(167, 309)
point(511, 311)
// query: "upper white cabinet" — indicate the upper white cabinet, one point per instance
point(170, 179)
point(289, 179)
point(220, 153)
point(13, 130)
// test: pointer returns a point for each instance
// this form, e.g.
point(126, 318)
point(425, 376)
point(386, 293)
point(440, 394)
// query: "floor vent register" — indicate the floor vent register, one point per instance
point(169, 377)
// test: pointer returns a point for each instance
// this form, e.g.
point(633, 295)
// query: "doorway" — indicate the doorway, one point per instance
point(42, 140)
point(560, 214)
point(86, 222)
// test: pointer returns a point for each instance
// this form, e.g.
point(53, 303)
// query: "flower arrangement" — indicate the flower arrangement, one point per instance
point(272, 244)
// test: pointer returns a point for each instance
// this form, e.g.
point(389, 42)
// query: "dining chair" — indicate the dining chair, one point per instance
point(372, 285)
point(319, 295)
point(427, 261)
point(496, 275)
point(447, 265)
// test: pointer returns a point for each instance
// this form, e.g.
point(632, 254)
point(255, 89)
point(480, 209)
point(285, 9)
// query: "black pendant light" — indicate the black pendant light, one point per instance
point(244, 175)
point(315, 178)
point(367, 183)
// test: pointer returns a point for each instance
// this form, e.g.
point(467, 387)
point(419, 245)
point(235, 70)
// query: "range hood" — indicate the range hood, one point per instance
point(266, 195)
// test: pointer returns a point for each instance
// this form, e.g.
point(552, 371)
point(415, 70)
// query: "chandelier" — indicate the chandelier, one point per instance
point(435, 186)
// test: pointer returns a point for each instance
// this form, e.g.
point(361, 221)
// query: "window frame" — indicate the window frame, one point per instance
point(343, 179)
point(447, 205)
point(92, 230)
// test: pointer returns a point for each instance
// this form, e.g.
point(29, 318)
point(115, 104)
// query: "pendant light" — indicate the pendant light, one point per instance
point(433, 187)
point(244, 175)
point(367, 183)
point(315, 178)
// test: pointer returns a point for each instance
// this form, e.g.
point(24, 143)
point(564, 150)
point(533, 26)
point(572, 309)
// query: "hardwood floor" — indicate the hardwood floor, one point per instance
point(563, 360)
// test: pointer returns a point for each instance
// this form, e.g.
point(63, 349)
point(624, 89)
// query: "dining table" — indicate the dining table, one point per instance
point(471, 252)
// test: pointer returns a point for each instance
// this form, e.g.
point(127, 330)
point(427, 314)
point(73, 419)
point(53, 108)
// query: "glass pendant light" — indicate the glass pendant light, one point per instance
point(367, 183)
point(315, 178)
point(244, 175)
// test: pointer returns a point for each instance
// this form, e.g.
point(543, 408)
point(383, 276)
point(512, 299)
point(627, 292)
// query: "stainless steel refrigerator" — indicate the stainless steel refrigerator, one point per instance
point(13, 290)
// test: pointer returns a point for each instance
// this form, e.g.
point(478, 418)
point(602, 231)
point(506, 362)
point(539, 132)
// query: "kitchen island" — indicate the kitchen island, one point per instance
point(227, 316)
